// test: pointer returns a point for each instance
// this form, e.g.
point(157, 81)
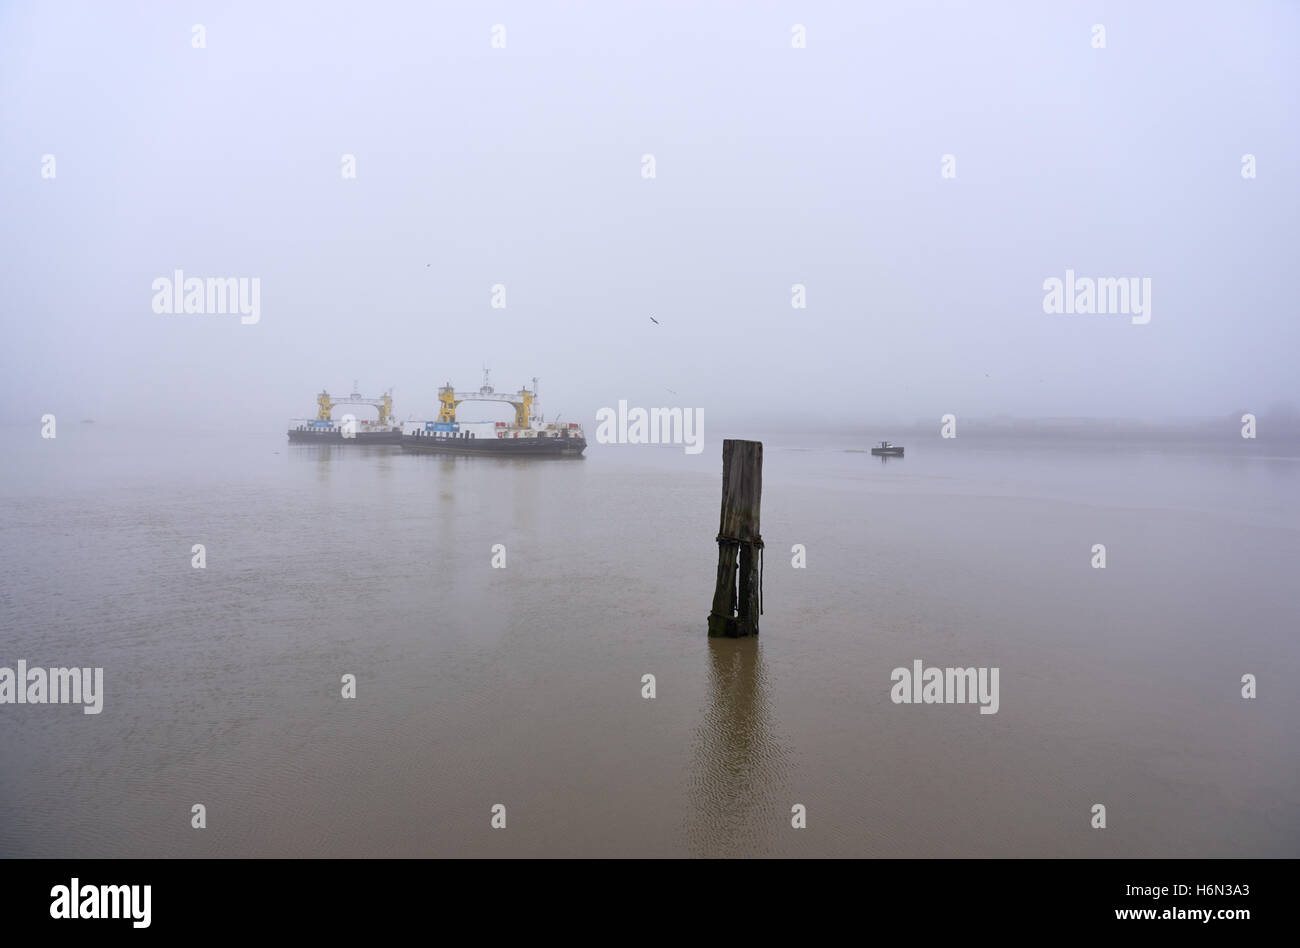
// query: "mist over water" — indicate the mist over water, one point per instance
point(522, 685)
point(522, 168)
point(680, 206)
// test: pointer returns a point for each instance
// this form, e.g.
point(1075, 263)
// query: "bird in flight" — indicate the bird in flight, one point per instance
point(653, 320)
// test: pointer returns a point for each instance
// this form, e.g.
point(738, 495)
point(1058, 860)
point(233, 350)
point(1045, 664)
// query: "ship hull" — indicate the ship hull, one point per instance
point(498, 447)
point(335, 436)
point(887, 452)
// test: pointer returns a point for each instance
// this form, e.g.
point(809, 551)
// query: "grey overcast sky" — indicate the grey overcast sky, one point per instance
point(774, 165)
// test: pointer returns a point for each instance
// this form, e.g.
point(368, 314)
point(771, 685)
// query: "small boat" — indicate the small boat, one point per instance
point(887, 449)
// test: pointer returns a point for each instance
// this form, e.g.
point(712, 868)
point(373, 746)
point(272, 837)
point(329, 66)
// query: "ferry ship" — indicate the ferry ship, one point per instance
point(526, 435)
point(326, 429)
point(887, 449)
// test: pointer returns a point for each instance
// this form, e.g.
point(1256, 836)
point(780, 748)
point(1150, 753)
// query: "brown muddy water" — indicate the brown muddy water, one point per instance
point(522, 686)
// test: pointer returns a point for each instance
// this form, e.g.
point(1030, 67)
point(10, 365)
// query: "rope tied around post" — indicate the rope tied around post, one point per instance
point(757, 543)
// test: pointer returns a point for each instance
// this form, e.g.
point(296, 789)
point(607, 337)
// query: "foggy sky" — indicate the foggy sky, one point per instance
point(774, 166)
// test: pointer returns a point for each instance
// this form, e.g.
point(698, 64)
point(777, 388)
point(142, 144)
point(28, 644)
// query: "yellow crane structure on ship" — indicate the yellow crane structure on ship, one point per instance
point(325, 405)
point(522, 401)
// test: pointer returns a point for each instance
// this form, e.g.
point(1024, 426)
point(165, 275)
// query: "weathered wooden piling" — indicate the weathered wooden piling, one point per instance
point(738, 597)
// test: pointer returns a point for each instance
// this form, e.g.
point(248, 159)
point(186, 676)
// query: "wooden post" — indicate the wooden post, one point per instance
point(737, 600)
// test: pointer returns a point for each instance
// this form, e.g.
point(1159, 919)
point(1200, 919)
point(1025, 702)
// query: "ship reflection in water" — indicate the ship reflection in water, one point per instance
point(738, 767)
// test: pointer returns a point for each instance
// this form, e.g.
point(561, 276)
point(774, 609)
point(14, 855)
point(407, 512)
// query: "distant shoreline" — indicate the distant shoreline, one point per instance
point(1271, 430)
